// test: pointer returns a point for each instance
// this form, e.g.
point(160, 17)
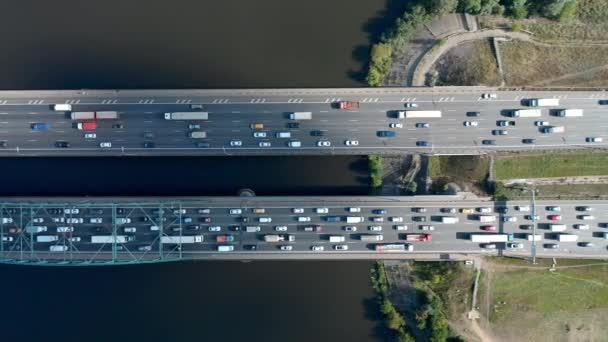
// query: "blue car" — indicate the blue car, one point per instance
point(41, 126)
point(386, 134)
point(423, 143)
point(380, 211)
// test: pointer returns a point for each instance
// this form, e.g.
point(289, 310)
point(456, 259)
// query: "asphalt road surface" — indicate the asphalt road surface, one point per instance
point(187, 218)
point(231, 112)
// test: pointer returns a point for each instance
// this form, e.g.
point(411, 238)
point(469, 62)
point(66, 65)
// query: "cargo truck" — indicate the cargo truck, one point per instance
point(354, 219)
point(187, 116)
point(569, 112)
point(224, 238)
point(553, 129)
point(63, 107)
point(418, 237)
point(106, 115)
point(491, 237)
point(393, 247)
point(557, 227)
point(111, 238)
point(525, 113)
point(336, 238)
point(449, 219)
point(47, 238)
point(82, 115)
point(300, 116)
point(486, 218)
point(181, 239)
point(532, 237)
point(87, 126)
point(371, 237)
point(279, 238)
point(567, 237)
point(407, 114)
point(348, 104)
point(543, 102)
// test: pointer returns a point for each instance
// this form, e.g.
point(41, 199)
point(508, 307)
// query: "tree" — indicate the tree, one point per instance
point(568, 11)
point(412, 187)
point(441, 7)
point(551, 8)
point(518, 9)
point(470, 6)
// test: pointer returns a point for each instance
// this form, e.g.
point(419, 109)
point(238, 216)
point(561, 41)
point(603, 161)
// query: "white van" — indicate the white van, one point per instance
point(62, 107)
point(557, 227)
point(225, 248)
point(283, 134)
point(294, 143)
point(198, 135)
point(58, 248)
point(252, 229)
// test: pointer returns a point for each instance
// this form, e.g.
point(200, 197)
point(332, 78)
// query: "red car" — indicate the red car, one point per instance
point(489, 228)
point(554, 217)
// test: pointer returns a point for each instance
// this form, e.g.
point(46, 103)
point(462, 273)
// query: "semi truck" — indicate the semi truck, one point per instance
point(354, 219)
point(486, 218)
point(418, 237)
point(111, 238)
point(393, 247)
point(449, 219)
point(187, 116)
point(47, 238)
point(371, 237)
point(567, 237)
point(87, 126)
point(300, 116)
point(491, 237)
point(553, 129)
point(224, 238)
point(569, 112)
point(336, 238)
point(105, 115)
point(543, 102)
point(525, 113)
point(406, 114)
point(181, 239)
point(279, 237)
point(348, 104)
point(35, 229)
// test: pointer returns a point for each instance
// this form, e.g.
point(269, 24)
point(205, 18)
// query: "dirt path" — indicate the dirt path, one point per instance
point(560, 180)
point(569, 75)
point(480, 332)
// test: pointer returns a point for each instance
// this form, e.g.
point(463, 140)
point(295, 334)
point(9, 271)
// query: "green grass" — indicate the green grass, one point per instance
point(572, 290)
point(560, 191)
point(551, 165)
point(376, 169)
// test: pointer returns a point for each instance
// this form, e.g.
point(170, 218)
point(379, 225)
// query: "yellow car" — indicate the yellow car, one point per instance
point(257, 126)
point(467, 210)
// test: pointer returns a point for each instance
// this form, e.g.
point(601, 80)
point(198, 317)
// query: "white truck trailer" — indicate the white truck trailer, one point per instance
point(569, 113)
point(491, 237)
point(187, 116)
point(543, 102)
point(414, 114)
point(181, 239)
point(111, 238)
point(525, 113)
point(371, 237)
point(300, 116)
point(486, 218)
point(567, 237)
point(449, 219)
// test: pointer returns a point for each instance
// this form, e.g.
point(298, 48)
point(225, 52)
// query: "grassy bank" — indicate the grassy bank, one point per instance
point(558, 192)
point(548, 306)
point(376, 170)
point(551, 165)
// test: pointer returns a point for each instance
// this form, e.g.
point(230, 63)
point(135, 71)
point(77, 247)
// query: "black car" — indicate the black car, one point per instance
point(194, 227)
point(250, 247)
point(205, 219)
point(475, 114)
point(526, 226)
point(62, 144)
point(235, 228)
point(603, 102)
point(551, 245)
point(3, 144)
point(585, 244)
point(118, 126)
point(419, 218)
point(499, 132)
point(502, 210)
point(423, 143)
point(120, 211)
point(145, 219)
point(317, 133)
point(488, 142)
point(149, 145)
point(293, 125)
point(528, 141)
point(54, 211)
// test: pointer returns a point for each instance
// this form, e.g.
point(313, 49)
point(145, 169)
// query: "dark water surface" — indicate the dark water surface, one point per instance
point(72, 44)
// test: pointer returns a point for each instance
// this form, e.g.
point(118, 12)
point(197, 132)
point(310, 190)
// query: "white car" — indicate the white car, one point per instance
point(515, 245)
point(341, 247)
point(375, 228)
point(484, 210)
point(303, 219)
point(123, 220)
point(594, 139)
point(321, 210)
point(236, 143)
point(75, 220)
point(265, 219)
point(354, 210)
point(317, 248)
point(264, 144)
point(581, 226)
point(37, 220)
point(471, 123)
point(65, 229)
point(236, 211)
point(90, 135)
point(71, 211)
point(488, 96)
point(59, 219)
point(395, 125)
point(396, 219)
point(401, 227)
point(280, 228)
point(95, 220)
point(411, 105)
point(586, 217)
point(294, 143)
point(194, 126)
point(75, 239)
point(541, 123)
point(350, 228)
point(298, 210)
point(509, 219)
point(323, 143)
point(215, 228)
point(522, 207)
point(260, 134)
point(179, 211)
point(286, 248)
point(377, 219)
point(105, 144)
point(426, 227)
point(351, 143)
point(130, 229)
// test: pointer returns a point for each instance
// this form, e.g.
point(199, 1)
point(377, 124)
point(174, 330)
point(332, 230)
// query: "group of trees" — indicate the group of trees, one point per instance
point(518, 9)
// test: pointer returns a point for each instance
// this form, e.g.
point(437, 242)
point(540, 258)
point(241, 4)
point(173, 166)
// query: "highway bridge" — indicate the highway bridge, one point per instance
point(85, 231)
point(142, 129)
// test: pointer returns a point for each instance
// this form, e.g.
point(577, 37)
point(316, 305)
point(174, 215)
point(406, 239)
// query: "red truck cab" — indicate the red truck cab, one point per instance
point(87, 126)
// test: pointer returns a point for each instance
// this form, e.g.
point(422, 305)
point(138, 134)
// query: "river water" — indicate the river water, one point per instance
point(71, 44)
